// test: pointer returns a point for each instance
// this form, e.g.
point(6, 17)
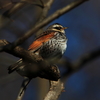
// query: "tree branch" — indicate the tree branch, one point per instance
point(18, 51)
point(25, 82)
point(22, 3)
point(56, 87)
point(40, 67)
point(75, 66)
point(15, 8)
point(44, 13)
point(8, 4)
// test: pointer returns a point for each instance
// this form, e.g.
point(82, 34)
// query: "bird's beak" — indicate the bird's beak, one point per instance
point(64, 28)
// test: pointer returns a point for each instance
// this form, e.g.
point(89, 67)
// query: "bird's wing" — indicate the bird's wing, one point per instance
point(39, 41)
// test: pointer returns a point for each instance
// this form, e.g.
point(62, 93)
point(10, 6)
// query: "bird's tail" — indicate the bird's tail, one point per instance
point(14, 66)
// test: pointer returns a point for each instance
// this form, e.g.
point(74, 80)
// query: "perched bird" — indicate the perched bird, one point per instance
point(50, 45)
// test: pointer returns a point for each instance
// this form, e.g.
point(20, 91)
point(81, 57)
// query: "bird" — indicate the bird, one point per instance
point(50, 45)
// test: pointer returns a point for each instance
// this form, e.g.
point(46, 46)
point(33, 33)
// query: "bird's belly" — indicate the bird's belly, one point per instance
point(53, 49)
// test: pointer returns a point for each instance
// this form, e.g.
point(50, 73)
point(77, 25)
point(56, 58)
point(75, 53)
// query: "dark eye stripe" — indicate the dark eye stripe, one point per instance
point(58, 28)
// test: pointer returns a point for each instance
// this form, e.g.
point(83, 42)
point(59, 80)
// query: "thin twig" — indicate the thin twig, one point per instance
point(44, 13)
point(15, 8)
point(45, 10)
point(30, 2)
point(42, 3)
point(23, 88)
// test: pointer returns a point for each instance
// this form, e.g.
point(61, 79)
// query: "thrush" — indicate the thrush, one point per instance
point(50, 45)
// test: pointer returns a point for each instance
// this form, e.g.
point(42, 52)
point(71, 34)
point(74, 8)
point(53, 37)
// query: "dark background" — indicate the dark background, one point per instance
point(83, 37)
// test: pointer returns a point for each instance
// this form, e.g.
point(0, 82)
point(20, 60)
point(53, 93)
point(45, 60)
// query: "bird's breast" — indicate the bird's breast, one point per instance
point(53, 48)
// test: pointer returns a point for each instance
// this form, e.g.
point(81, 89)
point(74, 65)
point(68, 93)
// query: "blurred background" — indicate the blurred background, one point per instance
point(83, 37)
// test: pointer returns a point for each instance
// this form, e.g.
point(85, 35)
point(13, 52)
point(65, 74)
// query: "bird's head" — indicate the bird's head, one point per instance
point(57, 27)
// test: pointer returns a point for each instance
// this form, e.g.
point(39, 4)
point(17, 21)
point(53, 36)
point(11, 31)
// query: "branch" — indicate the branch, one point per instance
point(57, 14)
point(87, 58)
point(20, 4)
point(73, 67)
point(25, 82)
point(8, 4)
point(45, 9)
point(40, 68)
point(56, 87)
point(44, 13)
point(18, 51)
point(17, 6)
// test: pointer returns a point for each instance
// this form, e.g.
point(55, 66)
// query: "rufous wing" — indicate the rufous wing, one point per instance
point(39, 41)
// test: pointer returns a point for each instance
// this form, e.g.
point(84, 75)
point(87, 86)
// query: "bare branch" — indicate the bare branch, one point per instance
point(40, 67)
point(56, 87)
point(44, 13)
point(18, 51)
point(45, 9)
point(73, 67)
point(19, 5)
point(87, 58)
point(8, 4)
point(23, 88)
point(15, 8)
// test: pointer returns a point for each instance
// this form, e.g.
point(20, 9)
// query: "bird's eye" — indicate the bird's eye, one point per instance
point(57, 28)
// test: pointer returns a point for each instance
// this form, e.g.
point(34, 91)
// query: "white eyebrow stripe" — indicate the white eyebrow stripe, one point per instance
point(57, 26)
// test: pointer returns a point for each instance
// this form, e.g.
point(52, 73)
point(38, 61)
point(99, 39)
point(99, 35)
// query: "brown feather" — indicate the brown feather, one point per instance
point(39, 41)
